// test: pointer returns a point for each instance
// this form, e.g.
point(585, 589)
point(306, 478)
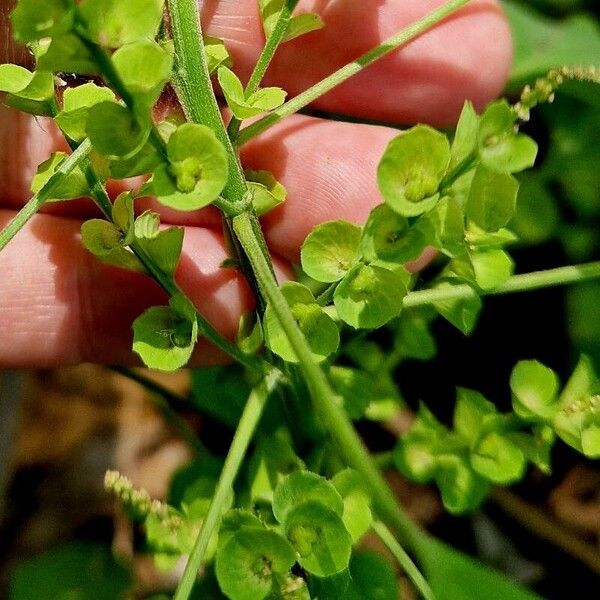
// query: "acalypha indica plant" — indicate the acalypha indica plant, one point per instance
point(283, 516)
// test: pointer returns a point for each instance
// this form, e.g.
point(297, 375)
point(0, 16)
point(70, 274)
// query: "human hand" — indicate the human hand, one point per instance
point(61, 306)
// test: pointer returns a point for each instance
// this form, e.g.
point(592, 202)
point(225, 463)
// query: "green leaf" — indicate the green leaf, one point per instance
point(500, 147)
point(303, 24)
point(413, 335)
point(388, 237)
point(197, 170)
point(113, 23)
point(267, 192)
point(115, 131)
point(455, 576)
point(105, 241)
point(273, 460)
point(304, 486)
point(76, 104)
point(492, 199)
point(14, 78)
point(245, 566)
point(162, 246)
point(369, 296)
point(542, 43)
point(492, 267)
point(76, 570)
point(123, 214)
point(448, 222)
point(234, 520)
point(578, 421)
point(357, 515)
point(35, 19)
point(373, 576)
point(165, 336)
point(330, 250)
point(412, 168)
point(462, 489)
point(320, 538)
point(67, 53)
point(470, 412)
point(536, 447)
point(534, 390)
point(73, 185)
point(497, 458)
point(461, 312)
point(36, 97)
point(258, 102)
point(250, 338)
point(144, 67)
point(318, 327)
point(465, 136)
point(356, 388)
point(216, 53)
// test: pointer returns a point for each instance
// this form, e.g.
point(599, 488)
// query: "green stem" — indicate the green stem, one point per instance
point(194, 89)
point(38, 200)
point(265, 58)
point(404, 560)
point(334, 417)
point(517, 283)
point(351, 69)
point(239, 446)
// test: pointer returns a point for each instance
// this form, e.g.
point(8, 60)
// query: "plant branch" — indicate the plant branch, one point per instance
point(351, 69)
point(334, 417)
point(38, 200)
point(404, 560)
point(546, 528)
point(517, 283)
point(265, 58)
point(239, 446)
point(194, 89)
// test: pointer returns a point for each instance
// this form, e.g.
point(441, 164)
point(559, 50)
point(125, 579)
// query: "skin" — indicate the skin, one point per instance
point(60, 306)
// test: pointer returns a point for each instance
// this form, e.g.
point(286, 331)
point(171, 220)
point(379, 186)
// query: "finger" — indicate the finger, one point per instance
point(465, 57)
point(61, 306)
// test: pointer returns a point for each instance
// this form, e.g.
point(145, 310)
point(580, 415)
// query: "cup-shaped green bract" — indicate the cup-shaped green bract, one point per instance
point(330, 250)
point(412, 168)
point(144, 67)
point(464, 143)
point(67, 53)
point(319, 537)
point(33, 20)
point(247, 565)
point(319, 329)
point(461, 312)
point(357, 515)
point(114, 23)
point(267, 192)
point(244, 107)
point(501, 148)
point(165, 336)
point(492, 199)
point(73, 185)
point(492, 267)
point(197, 169)
point(461, 487)
point(369, 296)
point(388, 237)
point(498, 459)
point(115, 131)
point(304, 486)
point(578, 420)
point(534, 390)
point(28, 92)
point(76, 104)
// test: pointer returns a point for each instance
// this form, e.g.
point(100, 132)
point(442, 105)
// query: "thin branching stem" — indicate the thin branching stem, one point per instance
point(351, 69)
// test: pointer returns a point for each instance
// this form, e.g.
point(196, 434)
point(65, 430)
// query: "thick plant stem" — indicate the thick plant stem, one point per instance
point(517, 283)
point(38, 200)
point(265, 58)
point(334, 417)
point(404, 560)
point(351, 69)
point(239, 446)
point(194, 89)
